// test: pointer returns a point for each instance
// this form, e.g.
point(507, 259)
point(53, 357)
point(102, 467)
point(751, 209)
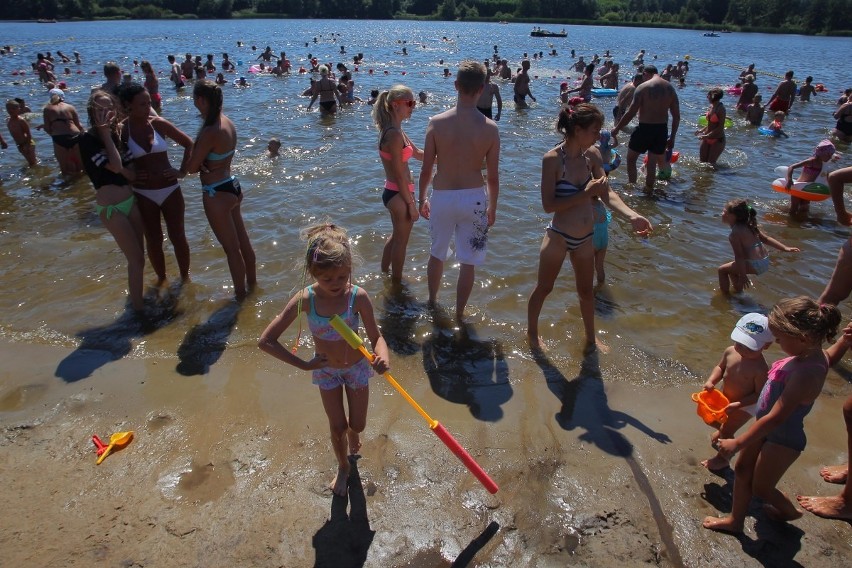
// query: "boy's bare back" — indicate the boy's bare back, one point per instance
point(462, 138)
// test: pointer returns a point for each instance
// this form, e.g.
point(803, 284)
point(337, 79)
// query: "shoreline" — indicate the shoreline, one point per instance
point(230, 468)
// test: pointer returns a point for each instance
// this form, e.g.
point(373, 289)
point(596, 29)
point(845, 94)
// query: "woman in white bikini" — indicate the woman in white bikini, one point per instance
point(156, 181)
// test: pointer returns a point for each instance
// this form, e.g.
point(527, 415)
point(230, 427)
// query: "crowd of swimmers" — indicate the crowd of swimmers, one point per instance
point(124, 152)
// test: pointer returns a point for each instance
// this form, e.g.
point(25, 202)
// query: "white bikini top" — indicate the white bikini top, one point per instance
point(159, 145)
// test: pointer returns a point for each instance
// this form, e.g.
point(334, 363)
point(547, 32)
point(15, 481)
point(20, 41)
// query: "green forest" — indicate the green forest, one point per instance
point(830, 17)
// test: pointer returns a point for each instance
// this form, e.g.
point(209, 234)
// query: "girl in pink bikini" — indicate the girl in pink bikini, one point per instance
point(811, 170)
point(396, 149)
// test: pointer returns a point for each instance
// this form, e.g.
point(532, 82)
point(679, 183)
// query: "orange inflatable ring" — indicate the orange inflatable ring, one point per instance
point(809, 191)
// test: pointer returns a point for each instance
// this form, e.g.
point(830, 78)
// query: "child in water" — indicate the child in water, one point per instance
point(811, 170)
point(777, 123)
point(777, 438)
point(20, 131)
point(336, 367)
point(754, 111)
point(747, 240)
point(273, 147)
point(743, 370)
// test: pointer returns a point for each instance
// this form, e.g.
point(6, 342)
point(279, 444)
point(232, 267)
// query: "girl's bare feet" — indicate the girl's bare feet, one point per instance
point(354, 442)
point(725, 525)
point(776, 515)
point(596, 345)
point(827, 507)
point(340, 482)
point(716, 463)
point(835, 473)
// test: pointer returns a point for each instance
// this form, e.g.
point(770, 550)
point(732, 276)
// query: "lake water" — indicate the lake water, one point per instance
point(63, 276)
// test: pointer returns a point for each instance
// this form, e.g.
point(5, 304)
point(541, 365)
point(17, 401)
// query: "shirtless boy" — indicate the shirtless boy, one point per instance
point(522, 85)
point(20, 131)
point(461, 207)
point(782, 98)
point(489, 93)
point(744, 370)
point(654, 100)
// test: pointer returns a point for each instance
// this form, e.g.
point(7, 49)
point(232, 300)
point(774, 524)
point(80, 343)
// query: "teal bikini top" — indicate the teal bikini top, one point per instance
point(215, 156)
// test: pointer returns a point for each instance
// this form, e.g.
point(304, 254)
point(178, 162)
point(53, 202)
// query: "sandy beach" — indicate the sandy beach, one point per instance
point(229, 468)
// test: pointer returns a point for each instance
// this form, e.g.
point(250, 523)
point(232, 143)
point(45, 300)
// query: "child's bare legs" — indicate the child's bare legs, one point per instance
point(772, 464)
point(728, 276)
point(600, 255)
point(341, 439)
point(29, 152)
point(798, 206)
point(744, 471)
point(736, 419)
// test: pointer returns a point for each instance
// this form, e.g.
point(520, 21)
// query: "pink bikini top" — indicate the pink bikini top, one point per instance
point(407, 153)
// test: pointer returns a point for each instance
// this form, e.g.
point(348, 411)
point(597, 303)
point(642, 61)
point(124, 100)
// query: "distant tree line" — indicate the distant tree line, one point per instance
point(803, 16)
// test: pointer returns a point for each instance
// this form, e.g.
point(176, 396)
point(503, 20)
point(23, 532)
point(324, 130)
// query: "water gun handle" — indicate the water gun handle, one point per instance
point(465, 457)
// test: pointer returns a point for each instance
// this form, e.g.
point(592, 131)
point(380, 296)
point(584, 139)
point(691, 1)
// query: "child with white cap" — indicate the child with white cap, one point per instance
point(744, 371)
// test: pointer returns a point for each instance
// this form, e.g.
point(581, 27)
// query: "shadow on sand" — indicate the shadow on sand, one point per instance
point(344, 540)
point(105, 344)
point(204, 344)
point(466, 370)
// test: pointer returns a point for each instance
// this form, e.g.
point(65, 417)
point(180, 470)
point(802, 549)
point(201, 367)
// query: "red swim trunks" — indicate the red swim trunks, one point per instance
point(777, 104)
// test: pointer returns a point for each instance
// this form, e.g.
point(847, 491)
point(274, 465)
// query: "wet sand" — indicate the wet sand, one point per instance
point(229, 468)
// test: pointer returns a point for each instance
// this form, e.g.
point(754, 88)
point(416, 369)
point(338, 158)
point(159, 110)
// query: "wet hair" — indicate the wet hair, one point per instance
point(212, 93)
point(788, 75)
point(744, 214)
point(715, 94)
point(92, 105)
point(470, 77)
point(128, 92)
point(171, 58)
point(111, 69)
point(328, 247)
point(374, 93)
point(382, 116)
point(808, 79)
point(803, 317)
point(581, 116)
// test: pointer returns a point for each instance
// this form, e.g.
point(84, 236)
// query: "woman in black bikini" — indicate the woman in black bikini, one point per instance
point(62, 123)
point(572, 175)
point(326, 90)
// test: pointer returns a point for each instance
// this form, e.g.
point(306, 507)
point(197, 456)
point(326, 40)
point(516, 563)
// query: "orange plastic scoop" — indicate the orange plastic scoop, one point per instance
point(711, 406)
point(117, 440)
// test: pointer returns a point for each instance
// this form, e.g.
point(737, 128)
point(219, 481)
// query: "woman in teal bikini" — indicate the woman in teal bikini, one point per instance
point(211, 157)
point(116, 207)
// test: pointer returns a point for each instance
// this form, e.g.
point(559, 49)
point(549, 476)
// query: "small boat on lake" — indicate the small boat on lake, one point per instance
point(538, 32)
point(711, 34)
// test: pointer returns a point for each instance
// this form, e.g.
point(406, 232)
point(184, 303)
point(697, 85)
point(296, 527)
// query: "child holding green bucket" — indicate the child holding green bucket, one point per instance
point(775, 440)
point(743, 370)
point(337, 369)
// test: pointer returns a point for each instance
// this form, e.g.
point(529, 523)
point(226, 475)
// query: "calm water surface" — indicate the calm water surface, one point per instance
point(64, 278)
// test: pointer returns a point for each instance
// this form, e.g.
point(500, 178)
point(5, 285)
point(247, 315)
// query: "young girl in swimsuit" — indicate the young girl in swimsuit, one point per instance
point(811, 170)
point(395, 150)
point(777, 437)
point(107, 168)
point(337, 368)
point(747, 240)
point(156, 182)
point(221, 192)
point(152, 85)
point(571, 176)
point(713, 135)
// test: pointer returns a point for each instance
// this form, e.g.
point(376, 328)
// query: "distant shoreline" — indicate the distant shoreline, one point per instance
point(545, 21)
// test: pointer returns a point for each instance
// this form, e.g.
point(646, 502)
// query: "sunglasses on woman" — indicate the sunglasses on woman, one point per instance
point(410, 103)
